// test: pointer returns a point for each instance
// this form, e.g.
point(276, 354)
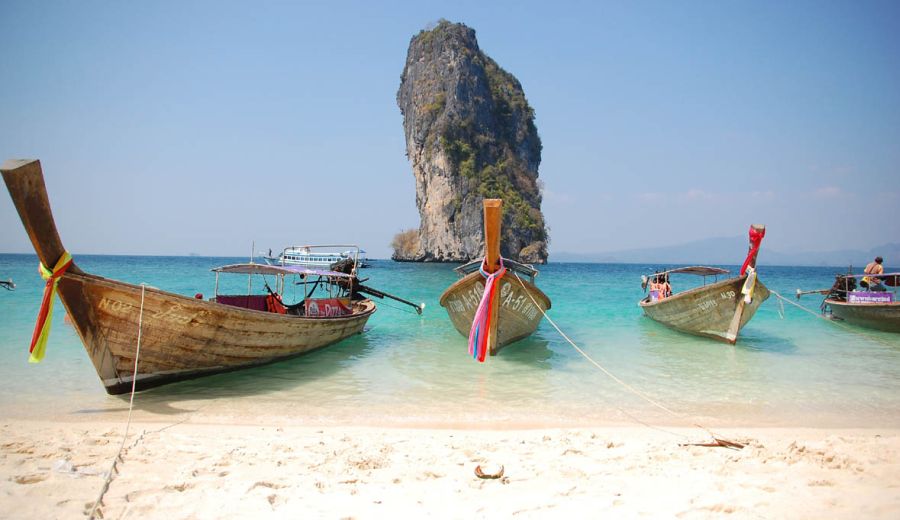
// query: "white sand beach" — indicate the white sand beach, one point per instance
point(189, 470)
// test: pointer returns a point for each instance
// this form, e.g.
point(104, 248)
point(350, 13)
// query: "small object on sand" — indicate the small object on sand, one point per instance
point(718, 443)
point(489, 471)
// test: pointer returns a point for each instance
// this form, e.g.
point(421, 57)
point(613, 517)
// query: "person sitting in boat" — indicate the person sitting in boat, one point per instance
point(660, 288)
point(871, 282)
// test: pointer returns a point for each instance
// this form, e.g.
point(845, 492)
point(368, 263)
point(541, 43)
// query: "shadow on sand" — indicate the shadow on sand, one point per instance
point(265, 379)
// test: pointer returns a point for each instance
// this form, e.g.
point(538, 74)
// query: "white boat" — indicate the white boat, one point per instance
point(316, 256)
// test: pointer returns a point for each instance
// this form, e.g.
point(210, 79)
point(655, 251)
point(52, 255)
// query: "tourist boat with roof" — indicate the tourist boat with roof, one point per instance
point(517, 305)
point(317, 256)
point(879, 310)
point(717, 310)
point(181, 337)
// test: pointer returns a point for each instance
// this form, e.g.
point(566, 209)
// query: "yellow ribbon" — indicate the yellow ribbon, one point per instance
point(45, 315)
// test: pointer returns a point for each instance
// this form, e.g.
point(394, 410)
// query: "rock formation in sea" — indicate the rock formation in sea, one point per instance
point(470, 135)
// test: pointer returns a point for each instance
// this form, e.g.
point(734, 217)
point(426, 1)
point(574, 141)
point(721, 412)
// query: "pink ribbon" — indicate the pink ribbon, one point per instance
point(481, 324)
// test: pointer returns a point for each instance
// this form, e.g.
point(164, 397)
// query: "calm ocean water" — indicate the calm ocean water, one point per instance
point(412, 370)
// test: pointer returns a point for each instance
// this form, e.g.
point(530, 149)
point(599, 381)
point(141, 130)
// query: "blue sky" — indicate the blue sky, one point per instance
point(202, 127)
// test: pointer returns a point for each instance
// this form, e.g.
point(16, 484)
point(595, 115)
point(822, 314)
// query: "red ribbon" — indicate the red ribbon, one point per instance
point(756, 237)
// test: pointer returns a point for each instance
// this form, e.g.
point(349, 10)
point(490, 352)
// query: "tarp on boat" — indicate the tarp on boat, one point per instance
point(277, 270)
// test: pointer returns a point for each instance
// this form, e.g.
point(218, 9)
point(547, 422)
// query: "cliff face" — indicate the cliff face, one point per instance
point(470, 135)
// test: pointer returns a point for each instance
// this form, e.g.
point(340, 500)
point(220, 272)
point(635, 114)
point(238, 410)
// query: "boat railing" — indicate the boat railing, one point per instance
point(696, 270)
point(523, 269)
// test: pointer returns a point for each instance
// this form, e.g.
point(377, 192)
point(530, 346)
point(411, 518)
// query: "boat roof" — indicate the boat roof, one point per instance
point(323, 246)
point(699, 270)
point(526, 269)
point(277, 269)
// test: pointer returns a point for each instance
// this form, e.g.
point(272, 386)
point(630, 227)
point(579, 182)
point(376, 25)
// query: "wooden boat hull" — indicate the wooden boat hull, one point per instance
point(708, 310)
point(518, 315)
point(181, 337)
point(879, 316)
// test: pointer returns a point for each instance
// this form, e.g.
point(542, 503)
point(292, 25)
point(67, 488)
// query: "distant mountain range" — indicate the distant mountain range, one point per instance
point(730, 251)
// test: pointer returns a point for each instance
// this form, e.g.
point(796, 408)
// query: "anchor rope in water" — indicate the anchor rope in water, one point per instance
point(118, 457)
point(844, 326)
point(721, 441)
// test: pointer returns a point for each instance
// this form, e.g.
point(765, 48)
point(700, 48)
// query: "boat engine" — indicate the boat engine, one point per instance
point(842, 285)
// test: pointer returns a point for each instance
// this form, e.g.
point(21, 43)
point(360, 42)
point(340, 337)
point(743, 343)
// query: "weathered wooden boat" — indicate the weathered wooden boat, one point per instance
point(183, 337)
point(880, 316)
point(718, 310)
point(518, 304)
point(879, 310)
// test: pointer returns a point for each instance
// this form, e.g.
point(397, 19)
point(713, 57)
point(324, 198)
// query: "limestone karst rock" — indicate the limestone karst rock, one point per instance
point(470, 135)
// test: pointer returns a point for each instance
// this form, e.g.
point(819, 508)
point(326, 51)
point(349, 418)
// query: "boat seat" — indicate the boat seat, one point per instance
point(255, 302)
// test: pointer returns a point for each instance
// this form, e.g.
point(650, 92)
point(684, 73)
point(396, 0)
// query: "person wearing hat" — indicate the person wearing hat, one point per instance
point(872, 282)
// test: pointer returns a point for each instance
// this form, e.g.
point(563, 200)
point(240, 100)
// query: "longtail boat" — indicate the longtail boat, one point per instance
point(718, 310)
point(878, 310)
point(517, 305)
point(183, 337)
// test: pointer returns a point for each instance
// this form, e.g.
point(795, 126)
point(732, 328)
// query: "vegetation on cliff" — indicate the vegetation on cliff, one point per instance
point(405, 244)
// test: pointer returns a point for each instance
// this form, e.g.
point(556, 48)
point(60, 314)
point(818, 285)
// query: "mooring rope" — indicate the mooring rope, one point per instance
point(844, 326)
point(118, 457)
point(719, 441)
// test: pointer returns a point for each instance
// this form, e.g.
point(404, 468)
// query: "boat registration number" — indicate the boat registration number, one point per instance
point(705, 305)
point(509, 298)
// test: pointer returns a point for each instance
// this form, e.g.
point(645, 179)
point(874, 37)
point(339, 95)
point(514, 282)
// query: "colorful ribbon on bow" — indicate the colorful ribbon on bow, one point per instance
point(756, 237)
point(481, 324)
point(45, 315)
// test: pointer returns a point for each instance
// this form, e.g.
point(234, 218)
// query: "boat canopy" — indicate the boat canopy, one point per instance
point(698, 270)
point(277, 270)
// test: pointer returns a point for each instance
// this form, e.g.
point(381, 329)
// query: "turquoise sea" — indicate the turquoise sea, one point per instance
point(410, 370)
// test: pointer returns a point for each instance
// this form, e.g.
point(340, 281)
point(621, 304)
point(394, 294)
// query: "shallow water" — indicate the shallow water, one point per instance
point(412, 370)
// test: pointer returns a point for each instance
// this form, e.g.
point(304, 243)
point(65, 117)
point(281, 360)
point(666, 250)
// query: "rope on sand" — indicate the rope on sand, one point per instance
point(846, 327)
point(112, 468)
point(718, 441)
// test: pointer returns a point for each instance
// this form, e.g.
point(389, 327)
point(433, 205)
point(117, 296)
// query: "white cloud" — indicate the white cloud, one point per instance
point(695, 194)
point(763, 195)
point(651, 196)
point(829, 192)
point(555, 196)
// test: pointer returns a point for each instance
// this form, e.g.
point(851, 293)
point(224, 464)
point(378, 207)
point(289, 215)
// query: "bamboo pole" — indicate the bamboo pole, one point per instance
point(493, 211)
